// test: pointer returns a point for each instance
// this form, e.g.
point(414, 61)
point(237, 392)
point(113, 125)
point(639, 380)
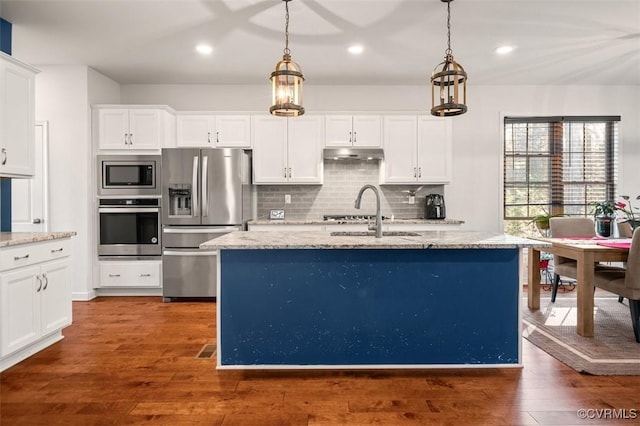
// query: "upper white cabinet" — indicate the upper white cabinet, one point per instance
point(17, 118)
point(358, 131)
point(213, 131)
point(128, 128)
point(417, 149)
point(287, 150)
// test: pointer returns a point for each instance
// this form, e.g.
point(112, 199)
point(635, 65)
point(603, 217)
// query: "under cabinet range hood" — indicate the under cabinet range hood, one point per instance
point(353, 154)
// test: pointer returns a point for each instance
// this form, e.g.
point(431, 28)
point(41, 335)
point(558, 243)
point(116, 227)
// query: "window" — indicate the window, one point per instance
point(557, 165)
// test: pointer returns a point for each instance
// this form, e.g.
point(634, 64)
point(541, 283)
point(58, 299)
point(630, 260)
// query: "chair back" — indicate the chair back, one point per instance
point(632, 275)
point(625, 230)
point(572, 227)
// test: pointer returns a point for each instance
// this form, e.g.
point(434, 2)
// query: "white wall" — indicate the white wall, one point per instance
point(475, 192)
point(62, 99)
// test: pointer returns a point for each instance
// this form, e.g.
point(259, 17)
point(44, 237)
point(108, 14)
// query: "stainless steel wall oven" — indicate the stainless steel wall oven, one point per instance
point(129, 227)
point(129, 175)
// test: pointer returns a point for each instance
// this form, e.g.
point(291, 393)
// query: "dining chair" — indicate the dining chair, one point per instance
point(625, 282)
point(625, 230)
point(564, 227)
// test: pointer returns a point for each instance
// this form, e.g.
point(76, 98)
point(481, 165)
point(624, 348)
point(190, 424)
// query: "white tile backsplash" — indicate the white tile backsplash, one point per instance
point(342, 181)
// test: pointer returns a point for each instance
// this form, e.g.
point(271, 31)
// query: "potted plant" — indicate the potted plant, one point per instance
point(604, 215)
point(541, 222)
point(627, 211)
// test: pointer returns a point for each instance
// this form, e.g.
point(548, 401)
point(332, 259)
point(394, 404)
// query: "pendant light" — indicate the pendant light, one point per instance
point(448, 81)
point(286, 81)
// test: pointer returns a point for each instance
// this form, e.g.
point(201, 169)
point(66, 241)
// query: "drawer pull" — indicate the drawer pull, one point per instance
point(39, 283)
point(26, 256)
point(46, 282)
point(145, 275)
point(114, 275)
point(57, 250)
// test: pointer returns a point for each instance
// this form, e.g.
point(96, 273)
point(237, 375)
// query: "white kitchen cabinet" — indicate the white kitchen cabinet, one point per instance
point(287, 150)
point(358, 131)
point(17, 118)
point(213, 131)
point(417, 149)
point(130, 273)
point(127, 128)
point(35, 298)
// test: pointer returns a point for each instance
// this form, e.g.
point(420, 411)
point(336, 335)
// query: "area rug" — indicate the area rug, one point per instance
point(613, 349)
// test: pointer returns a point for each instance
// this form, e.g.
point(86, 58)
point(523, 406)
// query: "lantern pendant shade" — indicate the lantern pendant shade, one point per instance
point(448, 81)
point(448, 88)
point(286, 89)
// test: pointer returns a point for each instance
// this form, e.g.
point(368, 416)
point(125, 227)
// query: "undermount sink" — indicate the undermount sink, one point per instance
point(373, 233)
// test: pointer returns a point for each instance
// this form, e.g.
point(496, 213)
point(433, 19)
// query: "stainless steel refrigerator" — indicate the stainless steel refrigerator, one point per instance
point(206, 193)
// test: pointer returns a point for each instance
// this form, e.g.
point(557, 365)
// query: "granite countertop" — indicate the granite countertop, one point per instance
point(354, 222)
point(16, 238)
point(324, 240)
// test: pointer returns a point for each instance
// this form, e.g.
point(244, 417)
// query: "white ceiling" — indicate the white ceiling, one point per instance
point(152, 41)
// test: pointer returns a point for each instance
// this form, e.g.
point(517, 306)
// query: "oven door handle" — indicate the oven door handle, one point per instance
point(194, 188)
point(190, 253)
point(129, 210)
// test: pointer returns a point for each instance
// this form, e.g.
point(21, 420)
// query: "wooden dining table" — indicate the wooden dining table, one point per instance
point(586, 252)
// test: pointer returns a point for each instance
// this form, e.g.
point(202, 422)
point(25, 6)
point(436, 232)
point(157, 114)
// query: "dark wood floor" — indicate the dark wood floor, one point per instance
point(132, 360)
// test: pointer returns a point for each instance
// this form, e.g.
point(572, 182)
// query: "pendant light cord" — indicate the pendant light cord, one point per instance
point(448, 51)
point(286, 28)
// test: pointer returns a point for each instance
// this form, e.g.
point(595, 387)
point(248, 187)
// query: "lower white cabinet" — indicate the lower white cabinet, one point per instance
point(130, 273)
point(35, 298)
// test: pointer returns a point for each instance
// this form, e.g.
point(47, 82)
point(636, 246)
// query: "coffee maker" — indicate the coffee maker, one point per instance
point(434, 207)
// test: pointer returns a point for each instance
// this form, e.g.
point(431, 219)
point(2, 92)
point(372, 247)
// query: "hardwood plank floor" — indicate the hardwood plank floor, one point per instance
point(132, 360)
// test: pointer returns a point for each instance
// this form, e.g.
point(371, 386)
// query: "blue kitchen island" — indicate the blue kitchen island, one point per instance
point(316, 300)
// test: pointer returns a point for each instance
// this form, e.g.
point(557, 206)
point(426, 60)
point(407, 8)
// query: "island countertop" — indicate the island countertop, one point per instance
point(325, 240)
point(8, 239)
point(385, 221)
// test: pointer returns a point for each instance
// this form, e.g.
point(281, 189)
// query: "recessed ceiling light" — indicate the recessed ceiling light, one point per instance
point(356, 49)
point(503, 50)
point(204, 49)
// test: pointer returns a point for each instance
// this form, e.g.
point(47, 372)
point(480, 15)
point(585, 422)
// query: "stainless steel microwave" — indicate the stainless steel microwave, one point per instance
point(129, 175)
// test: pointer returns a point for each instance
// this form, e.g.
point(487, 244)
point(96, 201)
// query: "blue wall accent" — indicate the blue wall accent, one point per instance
point(5, 183)
point(5, 36)
point(369, 307)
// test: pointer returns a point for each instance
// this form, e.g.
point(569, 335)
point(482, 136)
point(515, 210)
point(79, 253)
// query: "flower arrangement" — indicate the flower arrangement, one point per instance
point(604, 209)
point(626, 208)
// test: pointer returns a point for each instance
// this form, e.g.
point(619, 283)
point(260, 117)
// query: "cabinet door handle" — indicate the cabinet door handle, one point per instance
point(350, 137)
point(130, 138)
point(4, 158)
point(419, 172)
point(36, 221)
point(289, 171)
point(208, 137)
point(39, 283)
point(415, 174)
point(355, 137)
point(113, 275)
point(46, 281)
point(145, 275)
point(126, 139)
point(285, 172)
point(16, 258)
point(217, 137)
point(57, 250)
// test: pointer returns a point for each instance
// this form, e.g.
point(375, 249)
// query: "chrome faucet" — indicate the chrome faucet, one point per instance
point(378, 213)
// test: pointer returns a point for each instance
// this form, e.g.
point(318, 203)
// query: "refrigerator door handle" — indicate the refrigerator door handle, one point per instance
point(205, 187)
point(194, 188)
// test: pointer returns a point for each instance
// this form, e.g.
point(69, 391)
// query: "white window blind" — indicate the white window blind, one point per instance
point(557, 165)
